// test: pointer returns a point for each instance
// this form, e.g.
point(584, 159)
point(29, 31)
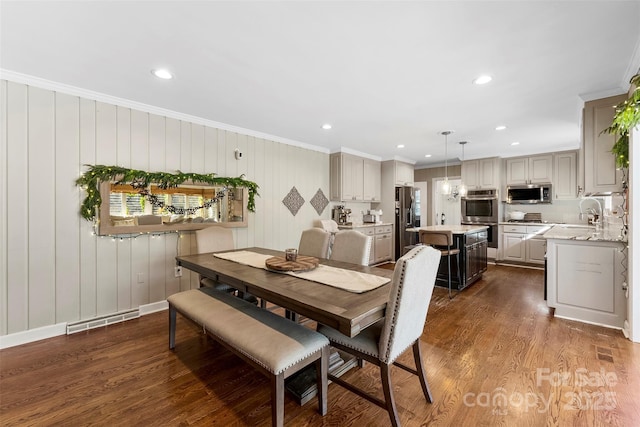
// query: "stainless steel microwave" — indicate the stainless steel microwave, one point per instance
point(529, 194)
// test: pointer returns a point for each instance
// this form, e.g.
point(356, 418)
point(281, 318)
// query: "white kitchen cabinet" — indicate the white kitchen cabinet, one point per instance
point(600, 171)
point(523, 243)
point(404, 174)
point(529, 170)
point(585, 281)
point(372, 179)
point(482, 173)
point(354, 178)
point(381, 241)
point(565, 185)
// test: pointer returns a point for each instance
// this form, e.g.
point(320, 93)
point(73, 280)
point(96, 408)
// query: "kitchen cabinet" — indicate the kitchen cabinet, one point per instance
point(382, 244)
point(565, 185)
point(585, 281)
point(529, 170)
point(600, 171)
point(404, 174)
point(371, 180)
point(482, 173)
point(523, 243)
point(475, 255)
point(381, 241)
point(354, 178)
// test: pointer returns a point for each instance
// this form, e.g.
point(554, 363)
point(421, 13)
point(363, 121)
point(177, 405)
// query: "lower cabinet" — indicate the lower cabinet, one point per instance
point(381, 244)
point(523, 243)
point(475, 255)
point(585, 281)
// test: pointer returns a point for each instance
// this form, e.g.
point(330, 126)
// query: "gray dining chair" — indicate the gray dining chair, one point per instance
point(383, 342)
point(216, 238)
point(442, 240)
point(351, 246)
point(314, 242)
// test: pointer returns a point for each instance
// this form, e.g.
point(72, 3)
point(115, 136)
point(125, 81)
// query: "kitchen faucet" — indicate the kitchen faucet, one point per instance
point(596, 215)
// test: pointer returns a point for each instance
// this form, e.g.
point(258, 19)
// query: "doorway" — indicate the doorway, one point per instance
point(447, 205)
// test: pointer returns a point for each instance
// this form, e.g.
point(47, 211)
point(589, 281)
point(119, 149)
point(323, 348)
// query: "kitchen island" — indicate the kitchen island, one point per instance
point(472, 262)
point(586, 275)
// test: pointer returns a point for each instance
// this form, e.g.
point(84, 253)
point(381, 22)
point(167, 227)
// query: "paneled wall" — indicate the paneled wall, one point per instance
point(52, 268)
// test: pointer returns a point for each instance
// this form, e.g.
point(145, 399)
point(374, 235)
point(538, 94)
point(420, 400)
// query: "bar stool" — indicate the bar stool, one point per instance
point(441, 239)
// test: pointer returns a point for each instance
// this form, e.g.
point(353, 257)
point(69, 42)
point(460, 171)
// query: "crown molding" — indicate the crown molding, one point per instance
point(41, 83)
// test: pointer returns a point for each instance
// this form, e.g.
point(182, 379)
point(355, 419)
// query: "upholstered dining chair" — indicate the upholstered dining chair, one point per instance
point(443, 241)
point(314, 242)
point(217, 238)
point(351, 246)
point(383, 342)
point(328, 225)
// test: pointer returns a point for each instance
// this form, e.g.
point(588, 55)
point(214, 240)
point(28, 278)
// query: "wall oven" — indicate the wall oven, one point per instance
point(480, 207)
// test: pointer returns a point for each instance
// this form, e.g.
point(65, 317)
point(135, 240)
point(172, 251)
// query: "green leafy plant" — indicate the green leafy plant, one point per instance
point(626, 118)
point(96, 174)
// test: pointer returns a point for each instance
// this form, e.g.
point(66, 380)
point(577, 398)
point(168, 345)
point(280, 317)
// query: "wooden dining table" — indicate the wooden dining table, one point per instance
point(345, 311)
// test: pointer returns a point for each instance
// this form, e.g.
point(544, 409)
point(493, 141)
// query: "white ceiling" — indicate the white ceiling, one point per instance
point(382, 73)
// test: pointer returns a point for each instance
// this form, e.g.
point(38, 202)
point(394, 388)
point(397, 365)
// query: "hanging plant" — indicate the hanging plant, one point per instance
point(627, 117)
point(138, 179)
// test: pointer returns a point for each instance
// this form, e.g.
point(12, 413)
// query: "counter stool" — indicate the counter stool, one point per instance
point(442, 239)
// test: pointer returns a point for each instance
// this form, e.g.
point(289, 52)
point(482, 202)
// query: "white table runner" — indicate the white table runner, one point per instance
point(352, 281)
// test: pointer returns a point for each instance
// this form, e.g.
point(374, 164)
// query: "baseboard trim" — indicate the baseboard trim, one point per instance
point(51, 331)
point(32, 335)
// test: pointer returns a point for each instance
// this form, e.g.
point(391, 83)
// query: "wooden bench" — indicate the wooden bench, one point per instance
point(273, 345)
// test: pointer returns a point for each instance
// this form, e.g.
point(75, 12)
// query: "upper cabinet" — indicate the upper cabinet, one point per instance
point(600, 172)
point(529, 170)
point(404, 174)
point(565, 185)
point(482, 173)
point(354, 178)
point(371, 180)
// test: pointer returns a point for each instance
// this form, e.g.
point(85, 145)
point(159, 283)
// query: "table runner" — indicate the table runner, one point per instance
point(348, 280)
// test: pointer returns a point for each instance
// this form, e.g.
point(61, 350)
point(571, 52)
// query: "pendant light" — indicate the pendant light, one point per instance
point(446, 185)
point(462, 189)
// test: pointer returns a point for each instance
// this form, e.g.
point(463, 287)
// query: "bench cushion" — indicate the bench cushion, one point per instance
point(273, 342)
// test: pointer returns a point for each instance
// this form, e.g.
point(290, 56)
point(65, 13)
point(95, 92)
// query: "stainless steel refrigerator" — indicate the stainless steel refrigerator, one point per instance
point(405, 217)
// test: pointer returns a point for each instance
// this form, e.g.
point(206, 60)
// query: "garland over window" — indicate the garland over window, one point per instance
point(139, 180)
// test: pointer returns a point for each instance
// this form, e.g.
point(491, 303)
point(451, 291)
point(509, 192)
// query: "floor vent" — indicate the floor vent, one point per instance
point(98, 322)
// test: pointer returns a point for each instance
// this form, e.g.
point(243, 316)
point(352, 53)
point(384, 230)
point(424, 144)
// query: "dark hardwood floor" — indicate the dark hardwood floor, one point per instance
point(494, 357)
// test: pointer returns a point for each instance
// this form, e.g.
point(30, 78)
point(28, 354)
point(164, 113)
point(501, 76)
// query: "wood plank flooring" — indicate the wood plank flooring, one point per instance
point(494, 357)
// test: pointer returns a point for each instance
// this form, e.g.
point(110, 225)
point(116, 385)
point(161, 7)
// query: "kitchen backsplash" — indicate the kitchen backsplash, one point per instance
point(566, 211)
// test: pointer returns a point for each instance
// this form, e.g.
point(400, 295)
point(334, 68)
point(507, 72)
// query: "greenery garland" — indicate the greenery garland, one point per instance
point(626, 118)
point(96, 174)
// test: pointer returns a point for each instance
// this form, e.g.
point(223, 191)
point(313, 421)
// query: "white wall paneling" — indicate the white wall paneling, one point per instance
point(54, 269)
point(3, 207)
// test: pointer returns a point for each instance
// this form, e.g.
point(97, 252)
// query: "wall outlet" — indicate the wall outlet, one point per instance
point(178, 271)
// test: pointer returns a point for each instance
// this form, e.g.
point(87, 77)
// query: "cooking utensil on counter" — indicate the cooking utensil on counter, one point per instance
point(517, 215)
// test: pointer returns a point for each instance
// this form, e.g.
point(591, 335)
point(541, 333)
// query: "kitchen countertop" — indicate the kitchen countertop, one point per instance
point(456, 229)
point(364, 224)
point(582, 232)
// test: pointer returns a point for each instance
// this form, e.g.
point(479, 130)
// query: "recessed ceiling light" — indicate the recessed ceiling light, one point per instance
point(482, 80)
point(162, 74)
point(515, 143)
point(427, 155)
point(400, 146)
point(326, 126)
point(501, 127)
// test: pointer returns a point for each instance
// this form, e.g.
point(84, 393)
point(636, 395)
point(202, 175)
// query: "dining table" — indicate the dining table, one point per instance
point(344, 310)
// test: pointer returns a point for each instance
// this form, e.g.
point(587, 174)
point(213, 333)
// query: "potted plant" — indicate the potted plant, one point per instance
point(626, 118)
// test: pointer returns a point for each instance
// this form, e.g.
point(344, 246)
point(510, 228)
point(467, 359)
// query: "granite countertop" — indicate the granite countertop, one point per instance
point(583, 232)
point(456, 229)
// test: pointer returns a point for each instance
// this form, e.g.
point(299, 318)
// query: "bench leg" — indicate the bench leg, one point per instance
point(277, 400)
point(322, 370)
point(172, 327)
